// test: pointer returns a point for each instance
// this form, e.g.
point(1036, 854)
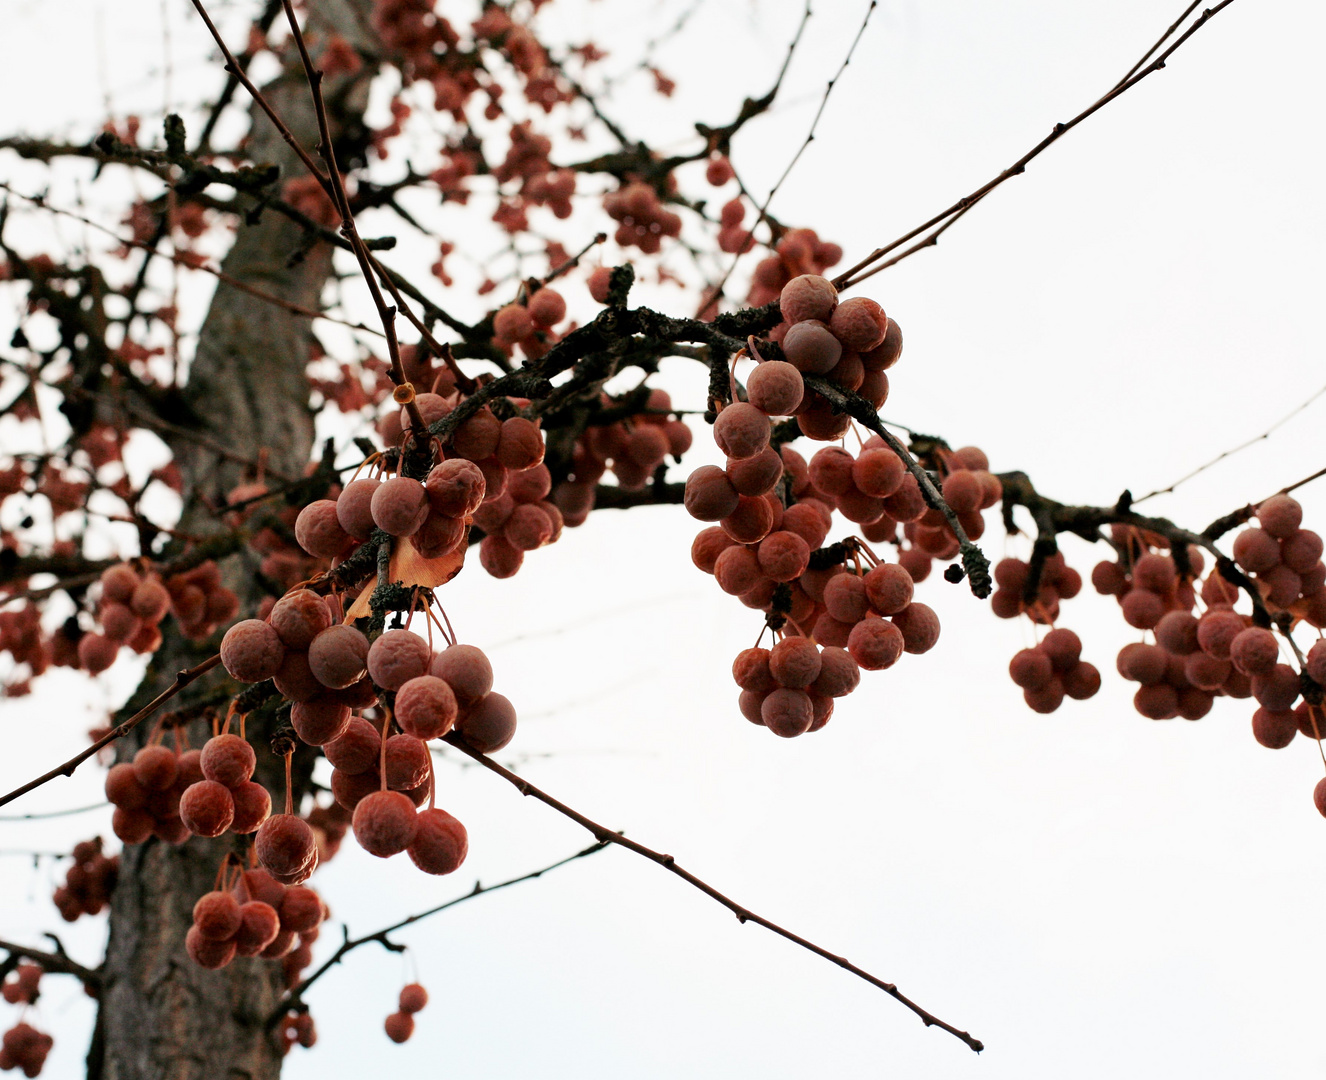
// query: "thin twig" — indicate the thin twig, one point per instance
point(57, 962)
point(858, 272)
point(1234, 450)
point(54, 813)
point(744, 915)
point(182, 679)
point(713, 294)
point(295, 1000)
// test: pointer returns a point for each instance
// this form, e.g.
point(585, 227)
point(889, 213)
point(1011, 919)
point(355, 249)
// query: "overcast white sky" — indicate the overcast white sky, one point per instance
point(1092, 894)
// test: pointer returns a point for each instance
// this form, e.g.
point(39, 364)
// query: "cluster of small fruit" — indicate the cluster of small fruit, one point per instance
point(1058, 581)
point(23, 1046)
point(21, 636)
point(250, 913)
point(631, 449)
point(800, 251)
point(133, 604)
point(88, 883)
point(641, 218)
point(226, 798)
point(774, 512)
point(1053, 669)
point(23, 986)
point(968, 487)
point(1190, 662)
point(400, 1024)
point(530, 325)
point(146, 793)
point(381, 777)
point(297, 1027)
point(491, 460)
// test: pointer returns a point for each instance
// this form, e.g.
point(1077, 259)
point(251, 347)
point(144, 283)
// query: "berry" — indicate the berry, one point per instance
point(489, 724)
point(399, 1026)
point(217, 916)
point(207, 808)
point(338, 656)
point(397, 657)
point(384, 823)
point(466, 670)
point(298, 617)
point(399, 506)
point(439, 846)
point(228, 760)
point(318, 530)
point(426, 707)
point(354, 507)
point(787, 713)
point(808, 297)
point(413, 998)
point(251, 651)
point(286, 848)
point(875, 643)
point(320, 719)
point(775, 388)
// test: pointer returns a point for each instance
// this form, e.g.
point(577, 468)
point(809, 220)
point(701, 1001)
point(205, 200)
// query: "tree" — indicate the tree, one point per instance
point(240, 434)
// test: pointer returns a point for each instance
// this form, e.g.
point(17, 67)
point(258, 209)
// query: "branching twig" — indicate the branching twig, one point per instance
point(183, 679)
point(295, 999)
point(57, 962)
point(859, 272)
point(1234, 450)
point(744, 915)
point(714, 293)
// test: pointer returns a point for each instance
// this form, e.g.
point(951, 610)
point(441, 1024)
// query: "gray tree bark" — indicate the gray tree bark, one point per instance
point(161, 1016)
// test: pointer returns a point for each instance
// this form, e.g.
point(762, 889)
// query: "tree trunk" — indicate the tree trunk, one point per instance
point(162, 1016)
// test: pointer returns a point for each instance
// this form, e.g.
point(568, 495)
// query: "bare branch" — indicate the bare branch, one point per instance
point(296, 998)
point(744, 915)
point(857, 273)
point(182, 679)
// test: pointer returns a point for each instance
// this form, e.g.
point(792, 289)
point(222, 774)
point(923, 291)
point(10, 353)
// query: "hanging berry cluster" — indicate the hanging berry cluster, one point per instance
point(835, 609)
point(88, 883)
point(23, 1046)
point(400, 1024)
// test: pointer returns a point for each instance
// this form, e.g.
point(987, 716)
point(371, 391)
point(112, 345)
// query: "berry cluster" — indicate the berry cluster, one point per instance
point(381, 777)
point(498, 462)
point(133, 604)
point(1285, 560)
point(146, 793)
point(88, 883)
point(226, 798)
point(250, 913)
point(1052, 670)
point(774, 512)
point(24, 1047)
point(297, 1027)
point(641, 219)
point(530, 325)
point(631, 449)
point(22, 988)
point(400, 1024)
point(1058, 581)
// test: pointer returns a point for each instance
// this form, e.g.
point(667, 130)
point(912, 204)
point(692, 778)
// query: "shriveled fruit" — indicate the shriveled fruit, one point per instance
point(338, 656)
point(384, 823)
point(489, 724)
point(251, 651)
point(439, 846)
point(426, 707)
